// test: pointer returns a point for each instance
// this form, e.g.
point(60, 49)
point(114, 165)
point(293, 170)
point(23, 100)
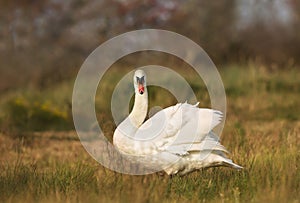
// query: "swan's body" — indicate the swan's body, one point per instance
point(179, 138)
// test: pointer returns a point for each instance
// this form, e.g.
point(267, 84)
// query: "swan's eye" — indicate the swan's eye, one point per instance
point(140, 80)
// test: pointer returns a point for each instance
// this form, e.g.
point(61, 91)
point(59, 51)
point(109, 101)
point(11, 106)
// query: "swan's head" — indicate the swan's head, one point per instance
point(139, 81)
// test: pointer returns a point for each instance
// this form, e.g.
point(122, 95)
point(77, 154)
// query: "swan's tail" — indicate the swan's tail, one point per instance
point(215, 159)
point(218, 158)
point(218, 152)
point(229, 163)
point(207, 153)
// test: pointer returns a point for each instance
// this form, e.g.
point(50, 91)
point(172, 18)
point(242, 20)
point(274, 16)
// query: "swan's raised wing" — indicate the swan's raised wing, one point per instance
point(177, 129)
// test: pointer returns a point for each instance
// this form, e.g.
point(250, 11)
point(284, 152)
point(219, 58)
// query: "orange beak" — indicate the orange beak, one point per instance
point(141, 88)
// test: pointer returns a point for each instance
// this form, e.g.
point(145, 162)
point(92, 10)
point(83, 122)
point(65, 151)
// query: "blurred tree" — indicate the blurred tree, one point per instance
point(269, 37)
point(295, 39)
point(47, 40)
point(209, 23)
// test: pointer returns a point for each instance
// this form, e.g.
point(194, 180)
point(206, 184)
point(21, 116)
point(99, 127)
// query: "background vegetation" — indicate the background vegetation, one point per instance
point(44, 43)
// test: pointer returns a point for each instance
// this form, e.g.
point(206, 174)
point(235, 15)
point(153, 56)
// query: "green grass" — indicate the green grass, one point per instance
point(262, 132)
point(270, 175)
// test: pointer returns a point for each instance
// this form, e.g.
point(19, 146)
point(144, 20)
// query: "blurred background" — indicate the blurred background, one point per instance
point(255, 45)
point(43, 44)
point(46, 41)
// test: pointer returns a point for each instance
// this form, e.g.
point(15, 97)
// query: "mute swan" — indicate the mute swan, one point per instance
point(181, 136)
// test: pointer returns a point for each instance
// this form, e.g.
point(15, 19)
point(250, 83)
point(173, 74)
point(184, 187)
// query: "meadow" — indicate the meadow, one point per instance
point(42, 158)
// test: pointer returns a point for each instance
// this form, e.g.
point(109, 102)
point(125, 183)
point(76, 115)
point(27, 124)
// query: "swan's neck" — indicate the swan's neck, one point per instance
point(139, 111)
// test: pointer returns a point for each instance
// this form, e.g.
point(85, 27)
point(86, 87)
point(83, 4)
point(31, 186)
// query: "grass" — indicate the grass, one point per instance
point(262, 132)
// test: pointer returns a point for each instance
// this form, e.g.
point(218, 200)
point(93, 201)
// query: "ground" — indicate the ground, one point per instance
point(262, 132)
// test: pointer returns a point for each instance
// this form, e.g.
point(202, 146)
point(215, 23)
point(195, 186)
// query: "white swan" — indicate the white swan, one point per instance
point(179, 139)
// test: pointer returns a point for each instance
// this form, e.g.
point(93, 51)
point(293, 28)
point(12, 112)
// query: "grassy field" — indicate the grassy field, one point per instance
point(43, 160)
